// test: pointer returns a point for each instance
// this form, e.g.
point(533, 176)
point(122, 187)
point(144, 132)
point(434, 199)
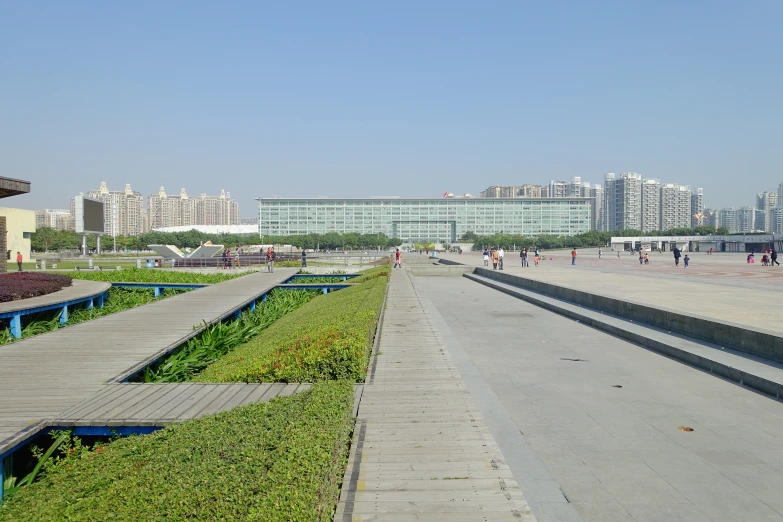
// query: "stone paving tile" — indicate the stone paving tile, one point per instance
point(618, 453)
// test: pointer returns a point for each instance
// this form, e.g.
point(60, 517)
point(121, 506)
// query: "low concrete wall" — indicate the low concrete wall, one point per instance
point(434, 270)
point(3, 246)
point(761, 343)
point(448, 262)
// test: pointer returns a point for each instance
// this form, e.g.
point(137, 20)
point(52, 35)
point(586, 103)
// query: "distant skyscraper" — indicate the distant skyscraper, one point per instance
point(697, 207)
point(623, 201)
point(123, 210)
point(171, 211)
point(575, 187)
point(217, 210)
point(737, 220)
point(765, 202)
point(53, 218)
point(530, 191)
point(675, 206)
point(596, 194)
point(558, 189)
point(651, 205)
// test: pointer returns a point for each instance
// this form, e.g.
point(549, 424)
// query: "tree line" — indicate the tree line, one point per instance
point(49, 239)
point(589, 239)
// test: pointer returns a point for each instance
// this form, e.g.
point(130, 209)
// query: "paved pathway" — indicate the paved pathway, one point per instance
point(47, 374)
point(617, 452)
point(421, 449)
point(79, 290)
point(721, 286)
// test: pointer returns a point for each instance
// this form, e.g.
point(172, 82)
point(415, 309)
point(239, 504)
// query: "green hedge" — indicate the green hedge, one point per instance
point(146, 275)
point(328, 338)
point(281, 460)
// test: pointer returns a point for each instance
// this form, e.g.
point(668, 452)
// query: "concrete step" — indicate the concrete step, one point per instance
point(759, 374)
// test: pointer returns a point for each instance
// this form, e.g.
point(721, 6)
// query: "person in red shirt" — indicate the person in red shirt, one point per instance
point(19, 260)
point(397, 259)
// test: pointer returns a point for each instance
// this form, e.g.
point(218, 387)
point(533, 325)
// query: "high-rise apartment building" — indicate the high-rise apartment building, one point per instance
point(596, 194)
point(780, 194)
point(558, 189)
point(217, 210)
point(737, 220)
point(574, 189)
point(623, 201)
point(651, 205)
point(529, 191)
point(59, 219)
point(675, 206)
point(777, 220)
point(493, 191)
point(171, 211)
point(697, 208)
point(765, 202)
point(123, 210)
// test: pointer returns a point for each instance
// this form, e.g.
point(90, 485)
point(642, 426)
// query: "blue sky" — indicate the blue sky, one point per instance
point(406, 98)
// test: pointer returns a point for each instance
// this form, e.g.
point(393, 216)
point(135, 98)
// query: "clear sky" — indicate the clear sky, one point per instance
point(405, 98)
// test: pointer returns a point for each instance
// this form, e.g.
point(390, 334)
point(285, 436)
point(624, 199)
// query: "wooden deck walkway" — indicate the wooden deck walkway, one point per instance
point(421, 449)
point(79, 290)
point(45, 375)
point(129, 404)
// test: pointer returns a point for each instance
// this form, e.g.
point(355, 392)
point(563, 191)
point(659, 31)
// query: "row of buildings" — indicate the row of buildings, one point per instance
point(125, 213)
point(627, 201)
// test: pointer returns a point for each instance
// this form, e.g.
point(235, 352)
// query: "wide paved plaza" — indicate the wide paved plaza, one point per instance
point(589, 424)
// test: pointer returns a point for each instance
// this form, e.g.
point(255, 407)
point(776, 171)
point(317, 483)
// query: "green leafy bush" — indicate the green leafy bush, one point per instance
point(142, 275)
point(328, 338)
point(217, 340)
point(281, 460)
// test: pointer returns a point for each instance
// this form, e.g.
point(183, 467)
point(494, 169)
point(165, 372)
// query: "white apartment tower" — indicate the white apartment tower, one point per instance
point(765, 202)
point(123, 210)
point(575, 187)
point(651, 205)
point(675, 206)
point(217, 210)
point(697, 208)
point(171, 211)
point(623, 201)
point(558, 189)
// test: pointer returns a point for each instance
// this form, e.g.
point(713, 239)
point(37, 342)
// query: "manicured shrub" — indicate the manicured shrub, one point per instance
point(328, 338)
point(219, 339)
point(22, 285)
point(142, 275)
point(276, 461)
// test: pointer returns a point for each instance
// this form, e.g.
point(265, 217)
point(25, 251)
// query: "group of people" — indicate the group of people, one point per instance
point(227, 260)
point(495, 255)
point(770, 258)
point(677, 254)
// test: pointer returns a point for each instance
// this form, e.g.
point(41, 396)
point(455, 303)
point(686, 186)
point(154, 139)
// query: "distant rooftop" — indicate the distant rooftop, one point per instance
point(13, 187)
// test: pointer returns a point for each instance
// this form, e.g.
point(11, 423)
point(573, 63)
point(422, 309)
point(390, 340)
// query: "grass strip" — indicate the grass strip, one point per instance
point(281, 460)
point(219, 339)
point(329, 338)
point(142, 275)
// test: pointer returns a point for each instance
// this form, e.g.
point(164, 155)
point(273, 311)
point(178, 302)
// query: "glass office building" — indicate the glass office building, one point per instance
point(442, 220)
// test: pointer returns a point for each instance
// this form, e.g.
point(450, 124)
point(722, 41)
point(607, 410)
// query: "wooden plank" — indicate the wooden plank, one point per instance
point(228, 393)
point(258, 392)
point(142, 417)
point(62, 374)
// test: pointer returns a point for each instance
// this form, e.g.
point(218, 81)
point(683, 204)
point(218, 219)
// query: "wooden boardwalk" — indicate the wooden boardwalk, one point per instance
point(45, 375)
point(421, 449)
point(79, 290)
point(129, 404)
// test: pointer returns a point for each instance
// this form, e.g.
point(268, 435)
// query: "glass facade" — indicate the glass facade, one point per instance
point(438, 220)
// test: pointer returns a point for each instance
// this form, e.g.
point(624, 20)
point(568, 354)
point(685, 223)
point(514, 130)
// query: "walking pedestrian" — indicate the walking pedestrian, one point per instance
point(523, 255)
point(573, 257)
point(686, 260)
point(599, 252)
point(19, 260)
point(676, 253)
point(270, 259)
point(773, 255)
point(486, 257)
point(304, 258)
point(537, 256)
point(500, 258)
point(224, 255)
point(495, 259)
point(641, 257)
point(398, 259)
